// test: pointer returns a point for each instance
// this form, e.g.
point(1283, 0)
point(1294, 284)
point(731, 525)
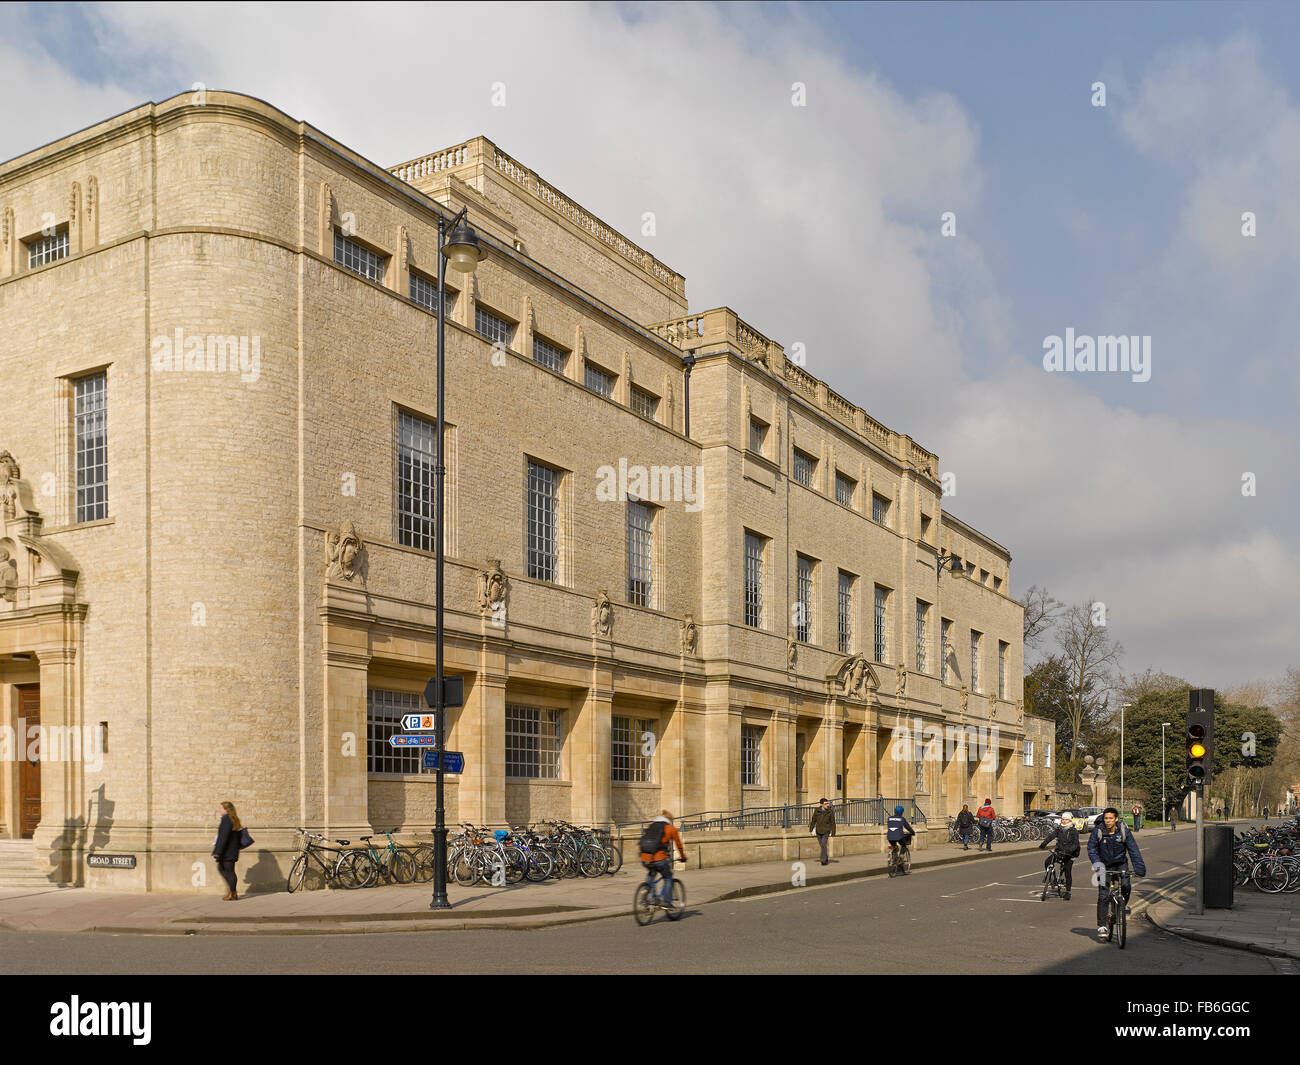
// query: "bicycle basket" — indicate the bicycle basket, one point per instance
point(500, 834)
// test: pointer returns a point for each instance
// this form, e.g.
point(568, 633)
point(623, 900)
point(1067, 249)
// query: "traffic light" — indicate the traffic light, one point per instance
point(1200, 737)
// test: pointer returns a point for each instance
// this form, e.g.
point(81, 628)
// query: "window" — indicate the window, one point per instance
point(640, 554)
point(552, 356)
point(805, 468)
point(970, 570)
point(997, 584)
point(1027, 757)
point(946, 649)
point(359, 259)
point(493, 326)
point(384, 713)
point(1047, 756)
point(1002, 669)
point(754, 547)
point(628, 744)
point(846, 613)
point(846, 489)
point(643, 403)
point(984, 576)
point(532, 742)
point(543, 498)
point(417, 453)
point(922, 617)
point(803, 628)
point(879, 508)
point(47, 249)
point(882, 626)
point(751, 746)
point(925, 528)
point(975, 660)
point(600, 381)
point(424, 291)
point(757, 435)
point(91, 413)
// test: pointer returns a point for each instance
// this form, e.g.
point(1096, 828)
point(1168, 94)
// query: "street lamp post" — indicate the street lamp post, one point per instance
point(461, 250)
point(1122, 708)
point(1163, 725)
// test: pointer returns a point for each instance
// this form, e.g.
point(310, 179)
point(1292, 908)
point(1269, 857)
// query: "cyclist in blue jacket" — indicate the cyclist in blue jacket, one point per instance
point(1111, 846)
point(900, 832)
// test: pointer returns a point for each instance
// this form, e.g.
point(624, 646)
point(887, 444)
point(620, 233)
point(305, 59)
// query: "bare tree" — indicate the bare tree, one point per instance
point(1091, 660)
point(1041, 613)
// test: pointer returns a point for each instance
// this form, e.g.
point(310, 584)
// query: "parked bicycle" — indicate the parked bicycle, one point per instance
point(336, 864)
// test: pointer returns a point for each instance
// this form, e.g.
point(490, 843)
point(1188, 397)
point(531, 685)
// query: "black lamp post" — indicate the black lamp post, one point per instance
point(461, 250)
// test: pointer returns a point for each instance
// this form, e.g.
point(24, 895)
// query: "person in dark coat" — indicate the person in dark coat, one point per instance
point(1067, 848)
point(965, 826)
point(823, 823)
point(225, 848)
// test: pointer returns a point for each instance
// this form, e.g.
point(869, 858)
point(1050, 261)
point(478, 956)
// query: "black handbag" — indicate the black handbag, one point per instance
point(245, 840)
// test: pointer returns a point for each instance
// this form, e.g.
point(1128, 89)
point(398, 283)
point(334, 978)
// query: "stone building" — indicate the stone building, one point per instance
point(1038, 764)
point(218, 333)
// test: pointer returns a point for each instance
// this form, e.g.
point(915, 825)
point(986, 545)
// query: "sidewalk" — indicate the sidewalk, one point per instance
point(1266, 924)
point(406, 908)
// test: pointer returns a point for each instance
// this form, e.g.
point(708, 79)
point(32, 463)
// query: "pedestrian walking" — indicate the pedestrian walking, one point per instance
point(1137, 817)
point(986, 815)
point(965, 826)
point(1169, 816)
point(1265, 813)
point(823, 823)
point(232, 837)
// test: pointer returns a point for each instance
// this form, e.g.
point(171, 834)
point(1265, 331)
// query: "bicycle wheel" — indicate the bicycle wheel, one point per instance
point(1110, 920)
point(591, 862)
point(1270, 876)
point(1048, 885)
point(401, 865)
point(297, 873)
point(1121, 928)
point(358, 869)
point(423, 863)
point(516, 865)
point(539, 865)
point(906, 862)
point(615, 855)
point(679, 901)
point(892, 868)
point(643, 905)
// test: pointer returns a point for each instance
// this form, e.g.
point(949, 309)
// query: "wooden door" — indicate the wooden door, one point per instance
point(29, 772)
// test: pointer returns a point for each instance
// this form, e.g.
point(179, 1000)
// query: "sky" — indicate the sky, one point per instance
point(1173, 499)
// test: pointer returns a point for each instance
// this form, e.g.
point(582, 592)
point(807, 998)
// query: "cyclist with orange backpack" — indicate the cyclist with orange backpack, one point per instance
point(657, 853)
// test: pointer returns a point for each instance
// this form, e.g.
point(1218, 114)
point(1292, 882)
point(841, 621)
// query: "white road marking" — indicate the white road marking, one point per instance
point(1015, 900)
point(963, 892)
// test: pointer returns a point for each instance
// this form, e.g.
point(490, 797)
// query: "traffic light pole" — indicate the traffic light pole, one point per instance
point(1200, 850)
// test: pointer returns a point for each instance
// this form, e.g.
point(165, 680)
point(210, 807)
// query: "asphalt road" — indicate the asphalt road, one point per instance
point(970, 918)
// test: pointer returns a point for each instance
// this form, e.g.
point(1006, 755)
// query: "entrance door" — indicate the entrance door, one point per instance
point(29, 772)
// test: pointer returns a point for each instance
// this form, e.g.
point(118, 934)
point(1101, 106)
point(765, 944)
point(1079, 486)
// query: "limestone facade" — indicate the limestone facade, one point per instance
point(253, 603)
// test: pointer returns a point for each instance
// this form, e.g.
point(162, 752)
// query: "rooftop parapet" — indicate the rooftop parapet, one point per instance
point(465, 158)
point(722, 327)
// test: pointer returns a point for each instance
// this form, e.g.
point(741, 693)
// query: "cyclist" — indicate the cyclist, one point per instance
point(657, 853)
point(1111, 847)
point(1067, 848)
point(900, 832)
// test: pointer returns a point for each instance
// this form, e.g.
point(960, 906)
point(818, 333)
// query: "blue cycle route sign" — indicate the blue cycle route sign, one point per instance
point(452, 761)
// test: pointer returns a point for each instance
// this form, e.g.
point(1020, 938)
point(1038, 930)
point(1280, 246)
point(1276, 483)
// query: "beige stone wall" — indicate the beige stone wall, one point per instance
point(229, 667)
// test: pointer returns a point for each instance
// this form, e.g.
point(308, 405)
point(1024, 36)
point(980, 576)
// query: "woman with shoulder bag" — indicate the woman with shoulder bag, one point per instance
point(232, 837)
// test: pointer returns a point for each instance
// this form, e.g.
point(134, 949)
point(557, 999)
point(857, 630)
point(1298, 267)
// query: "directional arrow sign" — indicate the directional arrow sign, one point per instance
point(418, 722)
point(403, 740)
point(452, 761)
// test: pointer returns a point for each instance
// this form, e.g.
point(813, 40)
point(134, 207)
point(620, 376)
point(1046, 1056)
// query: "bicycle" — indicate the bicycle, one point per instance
point(900, 860)
point(393, 863)
point(1116, 909)
point(648, 897)
point(341, 867)
point(1053, 877)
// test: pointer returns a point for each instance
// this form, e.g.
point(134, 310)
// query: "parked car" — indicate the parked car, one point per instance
point(1087, 816)
point(1039, 813)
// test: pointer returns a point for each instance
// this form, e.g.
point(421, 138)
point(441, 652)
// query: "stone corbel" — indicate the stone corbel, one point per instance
point(526, 326)
point(74, 218)
point(579, 359)
point(9, 234)
point(90, 224)
point(402, 264)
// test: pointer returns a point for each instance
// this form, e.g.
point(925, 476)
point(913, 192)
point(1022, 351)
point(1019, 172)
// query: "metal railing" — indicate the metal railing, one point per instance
point(847, 812)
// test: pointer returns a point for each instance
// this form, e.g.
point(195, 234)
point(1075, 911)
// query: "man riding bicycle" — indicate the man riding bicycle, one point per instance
point(1067, 848)
point(657, 853)
point(900, 832)
point(1110, 848)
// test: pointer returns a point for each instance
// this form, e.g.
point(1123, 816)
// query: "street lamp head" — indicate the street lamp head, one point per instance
point(461, 249)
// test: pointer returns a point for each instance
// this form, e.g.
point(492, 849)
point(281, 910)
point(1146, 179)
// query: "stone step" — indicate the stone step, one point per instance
point(18, 863)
